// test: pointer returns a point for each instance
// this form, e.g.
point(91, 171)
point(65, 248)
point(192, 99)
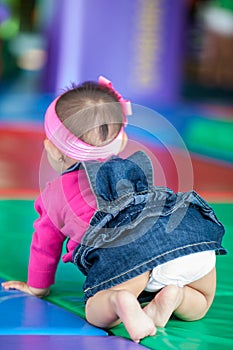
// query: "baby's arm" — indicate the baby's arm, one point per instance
point(45, 252)
point(24, 287)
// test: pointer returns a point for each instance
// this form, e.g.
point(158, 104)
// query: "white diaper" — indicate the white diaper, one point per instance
point(181, 271)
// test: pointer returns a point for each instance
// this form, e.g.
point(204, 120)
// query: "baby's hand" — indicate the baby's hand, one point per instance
point(24, 287)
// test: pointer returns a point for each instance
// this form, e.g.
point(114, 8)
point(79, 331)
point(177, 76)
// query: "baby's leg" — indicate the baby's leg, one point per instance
point(109, 307)
point(163, 305)
point(188, 303)
point(197, 298)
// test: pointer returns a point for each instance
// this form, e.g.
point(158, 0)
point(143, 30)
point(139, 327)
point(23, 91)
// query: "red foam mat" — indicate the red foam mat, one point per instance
point(21, 150)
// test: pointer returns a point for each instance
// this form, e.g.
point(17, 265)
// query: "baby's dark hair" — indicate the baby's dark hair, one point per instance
point(92, 112)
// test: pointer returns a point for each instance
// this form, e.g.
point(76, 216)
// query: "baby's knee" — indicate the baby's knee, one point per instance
point(195, 304)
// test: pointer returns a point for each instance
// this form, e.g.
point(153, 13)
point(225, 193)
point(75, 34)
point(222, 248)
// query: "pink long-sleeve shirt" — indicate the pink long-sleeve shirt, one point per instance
point(65, 209)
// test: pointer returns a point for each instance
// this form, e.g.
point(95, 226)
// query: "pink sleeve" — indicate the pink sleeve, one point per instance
point(45, 252)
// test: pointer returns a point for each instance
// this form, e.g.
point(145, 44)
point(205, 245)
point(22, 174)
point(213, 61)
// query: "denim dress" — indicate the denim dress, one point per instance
point(137, 225)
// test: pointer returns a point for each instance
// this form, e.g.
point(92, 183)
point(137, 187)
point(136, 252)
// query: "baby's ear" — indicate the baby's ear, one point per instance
point(52, 150)
point(124, 142)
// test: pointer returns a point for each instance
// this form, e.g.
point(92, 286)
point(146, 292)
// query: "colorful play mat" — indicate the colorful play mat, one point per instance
point(59, 320)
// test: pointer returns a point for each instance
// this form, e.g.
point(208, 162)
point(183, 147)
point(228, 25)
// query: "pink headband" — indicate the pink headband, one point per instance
point(71, 145)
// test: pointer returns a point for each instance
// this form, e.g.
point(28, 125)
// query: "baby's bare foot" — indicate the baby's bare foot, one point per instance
point(163, 305)
point(136, 321)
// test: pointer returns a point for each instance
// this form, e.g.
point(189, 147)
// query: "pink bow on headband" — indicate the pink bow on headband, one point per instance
point(126, 104)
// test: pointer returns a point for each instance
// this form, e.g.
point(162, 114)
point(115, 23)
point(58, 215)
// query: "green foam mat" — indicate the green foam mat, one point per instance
point(211, 137)
point(214, 331)
point(16, 219)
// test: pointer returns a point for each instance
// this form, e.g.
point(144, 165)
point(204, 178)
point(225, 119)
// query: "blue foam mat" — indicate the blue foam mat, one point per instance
point(24, 314)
